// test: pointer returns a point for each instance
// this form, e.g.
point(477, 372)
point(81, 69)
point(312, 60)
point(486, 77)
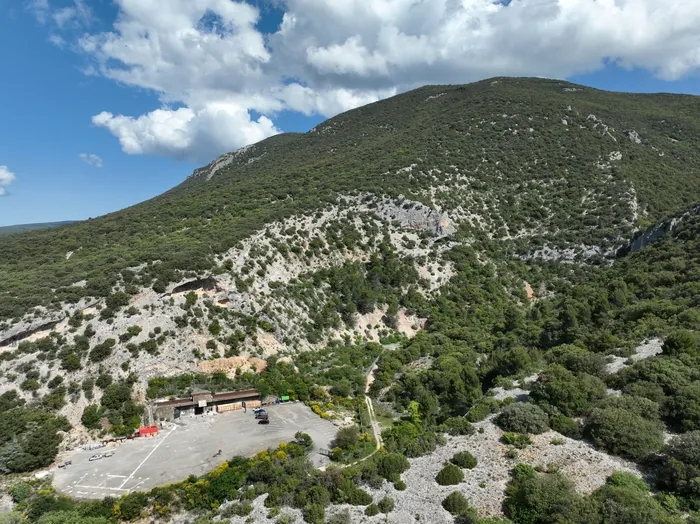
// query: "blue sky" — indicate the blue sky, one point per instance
point(60, 71)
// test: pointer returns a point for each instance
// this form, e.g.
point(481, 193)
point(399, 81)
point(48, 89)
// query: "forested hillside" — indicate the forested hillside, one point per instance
point(545, 163)
point(472, 241)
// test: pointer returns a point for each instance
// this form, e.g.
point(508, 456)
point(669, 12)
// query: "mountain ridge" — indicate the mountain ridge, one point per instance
point(22, 228)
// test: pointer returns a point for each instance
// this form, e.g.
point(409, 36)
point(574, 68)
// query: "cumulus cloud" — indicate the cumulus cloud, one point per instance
point(216, 73)
point(91, 159)
point(184, 133)
point(6, 178)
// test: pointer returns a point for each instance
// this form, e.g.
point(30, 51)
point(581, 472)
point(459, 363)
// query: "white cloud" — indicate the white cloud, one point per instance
point(91, 159)
point(207, 58)
point(6, 178)
point(76, 15)
point(57, 40)
point(184, 133)
point(40, 9)
point(73, 16)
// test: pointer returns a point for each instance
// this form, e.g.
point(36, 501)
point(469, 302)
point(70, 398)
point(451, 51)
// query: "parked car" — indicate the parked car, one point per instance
point(261, 414)
point(264, 421)
point(258, 410)
point(97, 456)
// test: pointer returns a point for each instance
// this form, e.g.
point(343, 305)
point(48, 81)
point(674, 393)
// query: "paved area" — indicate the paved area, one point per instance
point(188, 447)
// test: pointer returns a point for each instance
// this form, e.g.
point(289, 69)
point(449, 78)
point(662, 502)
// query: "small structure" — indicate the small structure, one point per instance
point(206, 402)
point(148, 431)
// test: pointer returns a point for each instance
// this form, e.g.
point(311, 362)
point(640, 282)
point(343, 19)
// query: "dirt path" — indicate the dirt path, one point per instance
point(376, 430)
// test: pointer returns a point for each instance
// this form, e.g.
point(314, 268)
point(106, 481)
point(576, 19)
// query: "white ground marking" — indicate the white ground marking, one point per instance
point(147, 457)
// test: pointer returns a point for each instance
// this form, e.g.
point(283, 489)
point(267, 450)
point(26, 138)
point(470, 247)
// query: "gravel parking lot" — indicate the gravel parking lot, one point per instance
point(188, 447)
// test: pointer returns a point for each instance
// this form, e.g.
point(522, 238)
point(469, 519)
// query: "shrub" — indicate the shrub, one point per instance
point(391, 465)
point(347, 437)
point(464, 459)
point(483, 409)
point(103, 380)
point(359, 497)
point(456, 503)
point(577, 359)
point(386, 505)
point(523, 418)
point(314, 513)
point(646, 389)
point(518, 440)
point(571, 394)
point(625, 498)
point(304, 439)
point(456, 426)
point(641, 406)
point(131, 505)
point(409, 439)
point(372, 510)
point(91, 416)
point(566, 426)
point(400, 485)
point(71, 362)
point(680, 469)
point(682, 410)
point(681, 341)
point(535, 499)
point(623, 433)
point(102, 351)
point(450, 475)
point(55, 382)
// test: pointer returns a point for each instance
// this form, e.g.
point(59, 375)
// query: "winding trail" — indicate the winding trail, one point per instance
point(376, 430)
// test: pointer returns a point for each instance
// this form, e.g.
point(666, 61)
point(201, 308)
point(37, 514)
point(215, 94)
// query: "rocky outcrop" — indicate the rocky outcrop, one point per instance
point(207, 172)
point(657, 232)
point(205, 284)
point(414, 215)
point(23, 331)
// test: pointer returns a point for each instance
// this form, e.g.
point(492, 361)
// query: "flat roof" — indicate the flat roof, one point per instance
point(216, 397)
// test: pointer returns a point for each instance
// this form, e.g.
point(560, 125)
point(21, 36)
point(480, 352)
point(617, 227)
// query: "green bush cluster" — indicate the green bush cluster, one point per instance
point(449, 475)
point(523, 418)
point(533, 498)
point(464, 459)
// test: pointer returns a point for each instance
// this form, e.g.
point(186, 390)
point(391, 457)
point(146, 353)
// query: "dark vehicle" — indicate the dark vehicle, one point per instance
point(261, 414)
point(264, 421)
